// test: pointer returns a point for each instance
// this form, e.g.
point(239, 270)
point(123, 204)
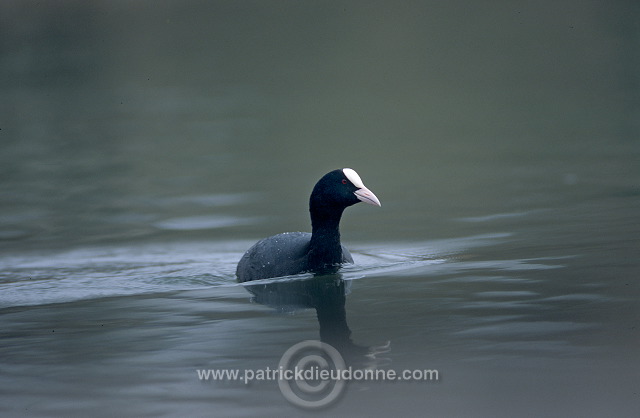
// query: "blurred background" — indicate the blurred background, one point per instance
point(113, 111)
point(144, 145)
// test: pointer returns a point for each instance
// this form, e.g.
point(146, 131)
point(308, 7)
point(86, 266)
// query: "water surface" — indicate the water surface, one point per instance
point(145, 147)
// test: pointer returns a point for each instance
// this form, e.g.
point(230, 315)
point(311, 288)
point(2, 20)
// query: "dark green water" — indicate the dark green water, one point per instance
point(146, 145)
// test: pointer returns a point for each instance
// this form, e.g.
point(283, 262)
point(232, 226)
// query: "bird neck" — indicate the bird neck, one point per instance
point(325, 249)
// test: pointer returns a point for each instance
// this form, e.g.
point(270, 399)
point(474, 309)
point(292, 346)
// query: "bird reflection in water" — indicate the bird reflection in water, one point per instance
point(326, 293)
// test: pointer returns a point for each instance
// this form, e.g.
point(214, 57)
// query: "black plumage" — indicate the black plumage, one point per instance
point(319, 251)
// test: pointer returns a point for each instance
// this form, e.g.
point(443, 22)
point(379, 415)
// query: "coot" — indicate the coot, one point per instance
point(319, 251)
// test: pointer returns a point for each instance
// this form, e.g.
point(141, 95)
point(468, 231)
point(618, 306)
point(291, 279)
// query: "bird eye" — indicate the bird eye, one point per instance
point(344, 181)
